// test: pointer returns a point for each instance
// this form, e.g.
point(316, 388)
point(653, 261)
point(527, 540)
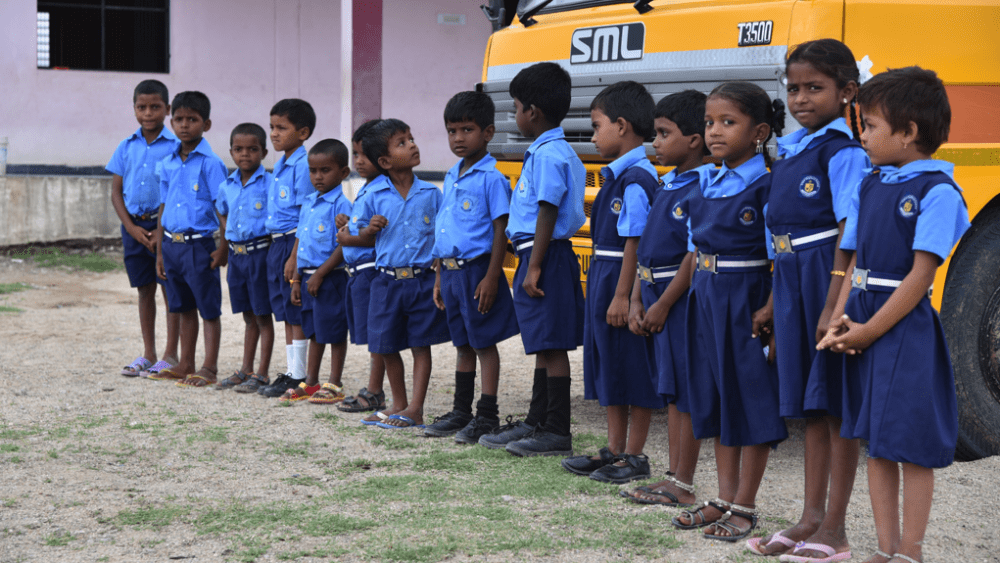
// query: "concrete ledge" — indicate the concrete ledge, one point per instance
point(52, 208)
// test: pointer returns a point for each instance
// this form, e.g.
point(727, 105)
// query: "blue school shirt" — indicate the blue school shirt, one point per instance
point(245, 207)
point(189, 189)
point(289, 189)
point(138, 164)
point(845, 170)
point(728, 182)
point(553, 173)
point(408, 238)
point(355, 255)
point(635, 203)
point(317, 232)
point(471, 202)
point(943, 217)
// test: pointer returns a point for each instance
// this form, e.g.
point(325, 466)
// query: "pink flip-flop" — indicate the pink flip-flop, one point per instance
point(831, 554)
point(753, 544)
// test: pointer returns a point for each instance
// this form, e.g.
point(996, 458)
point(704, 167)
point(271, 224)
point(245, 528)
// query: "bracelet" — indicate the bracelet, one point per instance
point(838, 273)
point(295, 281)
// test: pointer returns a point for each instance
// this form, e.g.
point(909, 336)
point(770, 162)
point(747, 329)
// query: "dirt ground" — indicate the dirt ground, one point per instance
point(59, 363)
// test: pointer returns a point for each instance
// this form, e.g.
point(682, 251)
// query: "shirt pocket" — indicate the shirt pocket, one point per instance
point(322, 232)
point(283, 196)
point(257, 208)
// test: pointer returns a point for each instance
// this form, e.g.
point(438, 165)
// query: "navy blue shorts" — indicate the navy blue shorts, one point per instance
point(191, 282)
point(465, 323)
point(358, 297)
point(402, 314)
point(247, 279)
point(555, 321)
point(279, 290)
point(324, 317)
point(140, 263)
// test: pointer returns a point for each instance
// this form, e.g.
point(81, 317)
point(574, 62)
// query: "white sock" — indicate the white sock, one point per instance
point(290, 358)
point(301, 350)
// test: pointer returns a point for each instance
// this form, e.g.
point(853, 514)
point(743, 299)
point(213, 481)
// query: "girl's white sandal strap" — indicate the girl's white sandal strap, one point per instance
point(751, 511)
point(881, 553)
point(904, 558)
point(681, 485)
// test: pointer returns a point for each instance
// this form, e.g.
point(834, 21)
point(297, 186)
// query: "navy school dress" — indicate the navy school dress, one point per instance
point(662, 247)
point(616, 363)
point(802, 218)
point(733, 390)
point(900, 393)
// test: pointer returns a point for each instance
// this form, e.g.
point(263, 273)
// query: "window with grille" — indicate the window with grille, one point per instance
point(118, 35)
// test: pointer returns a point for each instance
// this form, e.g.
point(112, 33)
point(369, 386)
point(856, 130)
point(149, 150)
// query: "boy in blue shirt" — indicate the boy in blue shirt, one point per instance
point(242, 208)
point(188, 258)
point(470, 244)
point(398, 215)
point(321, 269)
point(546, 209)
point(135, 195)
point(292, 122)
point(360, 262)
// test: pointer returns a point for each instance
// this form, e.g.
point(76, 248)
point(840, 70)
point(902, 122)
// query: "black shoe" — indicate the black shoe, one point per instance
point(585, 465)
point(636, 467)
point(542, 442)
point(509, 432)
point(280, 385)
point(448, 424)
point(476, 429)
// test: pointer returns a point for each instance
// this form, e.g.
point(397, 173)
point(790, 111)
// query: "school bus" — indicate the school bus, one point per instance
point(672, 45)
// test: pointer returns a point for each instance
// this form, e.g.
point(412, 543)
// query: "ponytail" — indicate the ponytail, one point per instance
point(777, 123)
point(855, 122)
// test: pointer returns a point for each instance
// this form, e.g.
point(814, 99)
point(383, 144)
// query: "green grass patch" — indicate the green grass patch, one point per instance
point(91, 262)
point(217, 434)
point(9, 448)
point(10, 309)
point(151, 516)
point(586, 442)
point(59, 539)
point(6, 288)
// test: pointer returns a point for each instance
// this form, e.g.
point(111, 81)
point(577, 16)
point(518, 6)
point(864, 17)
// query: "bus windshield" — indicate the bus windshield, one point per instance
point(562, 5)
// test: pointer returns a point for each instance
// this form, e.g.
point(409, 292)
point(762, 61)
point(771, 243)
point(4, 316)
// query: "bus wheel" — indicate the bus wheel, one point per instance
point(970, 313)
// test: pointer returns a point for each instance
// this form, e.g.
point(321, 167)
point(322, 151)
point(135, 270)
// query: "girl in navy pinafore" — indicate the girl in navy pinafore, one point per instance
point(899, 394)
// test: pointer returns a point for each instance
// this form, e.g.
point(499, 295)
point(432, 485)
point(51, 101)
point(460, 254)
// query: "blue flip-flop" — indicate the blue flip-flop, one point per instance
point(379, 414)
point(409, 423)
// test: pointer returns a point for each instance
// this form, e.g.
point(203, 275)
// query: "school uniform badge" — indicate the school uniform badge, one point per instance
point(195, 187)
point(427, 219)
point(809, 187)
point(679, 213)
point(282, 194)
point(466, 205)
point(320, 228)
point(908, 206)
point(258, 206)
point(616, 205)
point(748, 215)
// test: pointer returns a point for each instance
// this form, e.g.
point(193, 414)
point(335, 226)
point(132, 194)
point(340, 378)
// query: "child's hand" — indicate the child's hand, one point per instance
point(636, 313)
point(296, 297)
point(341, 220)
point(531, 279)
point(143, 236)
point(290, 268)
point(315, 281)
point(835, 328)
point(823, 326)
point(220, 257)
point(160, 270)
point(655, 318)
point(772, 353)
point(617, 315)
point(763, 322)
point(342, 234)
point(438, 301)
point(486, 294)
point(377, 223)
point(854, 340)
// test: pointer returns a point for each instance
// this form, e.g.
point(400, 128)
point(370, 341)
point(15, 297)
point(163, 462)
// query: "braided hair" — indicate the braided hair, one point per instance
point(834, 59)
point(756, 103)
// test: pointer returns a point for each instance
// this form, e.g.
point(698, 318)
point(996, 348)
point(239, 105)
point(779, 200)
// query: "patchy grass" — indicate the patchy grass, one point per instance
point(7, 288)
point(91, 262)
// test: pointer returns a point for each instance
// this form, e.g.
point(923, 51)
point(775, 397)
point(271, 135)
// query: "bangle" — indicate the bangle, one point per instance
point(295, 281)
point(838, 273)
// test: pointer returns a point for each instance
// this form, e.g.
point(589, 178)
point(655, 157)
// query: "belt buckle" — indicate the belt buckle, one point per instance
point(403, 273)
point(645, 274)
point(450, 263)
point(177, 237)
point(782, 244)
point(240, 248)
point(707, 263)
point(859, 279)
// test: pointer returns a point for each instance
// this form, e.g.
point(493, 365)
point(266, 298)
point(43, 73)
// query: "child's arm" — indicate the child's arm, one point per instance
point(118, 202)
point(544, 225)
point(335, 259)
point(763, 323)
point(617, 315)
point(345, 238)
point(438, 300)
point(296, 281)
point(291, 270)
point(841, 260)
point(837, 325)
point(341, 220)
point(158, 242)
point(220, 256)
point(904, 299)
point(636, 312)
point(486, 291)
point(656, 317)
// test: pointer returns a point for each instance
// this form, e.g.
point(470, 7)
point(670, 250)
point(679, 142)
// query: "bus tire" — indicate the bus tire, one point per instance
point(970, 313)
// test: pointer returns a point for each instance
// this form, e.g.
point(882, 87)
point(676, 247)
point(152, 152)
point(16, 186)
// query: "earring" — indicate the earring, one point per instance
point(760, 147)
point(845, 100)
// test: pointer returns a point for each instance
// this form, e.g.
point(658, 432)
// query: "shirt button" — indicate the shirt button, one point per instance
point(670, 185)
point(143, 165)
point(178, 205)
point(241, 207)
point(442, 230)
point(456, 184)
point(406, 246)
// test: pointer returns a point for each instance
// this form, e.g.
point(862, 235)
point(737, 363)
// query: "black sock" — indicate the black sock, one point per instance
point(557, 420)
point(465, 391)
point(539, 399)
point(487, 407)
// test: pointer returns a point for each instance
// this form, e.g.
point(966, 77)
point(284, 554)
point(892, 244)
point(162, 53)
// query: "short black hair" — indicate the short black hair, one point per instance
point(364, 129)
point(194, 101)
point(753, 101)
point(910, 94)
point(687, 110)
point(249, 129)
point(334, 148)
point(298, 112)
point(151, 87)
point(547, 86)
point(629, 100)
point(477, 107)
point(376, 143)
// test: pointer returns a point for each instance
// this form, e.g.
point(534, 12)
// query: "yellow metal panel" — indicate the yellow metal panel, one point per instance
point(817, 19)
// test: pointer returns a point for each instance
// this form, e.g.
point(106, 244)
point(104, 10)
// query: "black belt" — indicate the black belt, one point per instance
point(457, 263)
point(259, 243)
point(151, 216)
point(404, 273)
